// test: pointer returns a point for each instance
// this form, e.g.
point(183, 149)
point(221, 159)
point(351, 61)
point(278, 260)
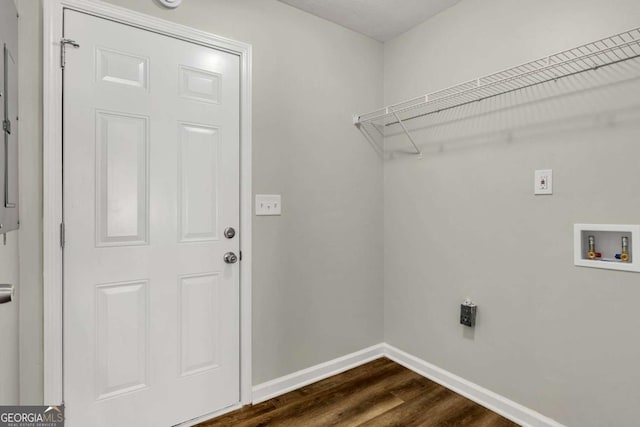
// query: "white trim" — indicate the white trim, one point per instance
point(52, 203)
point(499, 404)
point(52, 176)
point(507, 408)
point(279, 386)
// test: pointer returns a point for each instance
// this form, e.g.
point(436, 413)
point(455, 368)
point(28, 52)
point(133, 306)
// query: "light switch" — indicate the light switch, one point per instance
point(543, 181)
point(268, 204)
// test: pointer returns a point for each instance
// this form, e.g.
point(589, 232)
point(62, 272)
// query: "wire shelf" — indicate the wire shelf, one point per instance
point(591, 56)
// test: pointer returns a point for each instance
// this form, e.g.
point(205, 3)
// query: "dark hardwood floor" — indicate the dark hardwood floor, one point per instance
point(380, 393)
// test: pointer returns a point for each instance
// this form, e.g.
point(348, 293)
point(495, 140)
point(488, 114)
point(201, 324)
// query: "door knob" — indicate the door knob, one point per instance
point(6, 293)
point(229, 232)
point(230, 258)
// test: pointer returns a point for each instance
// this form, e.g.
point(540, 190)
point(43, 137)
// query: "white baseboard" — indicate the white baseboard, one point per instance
point(507, 408)
point(273, 388)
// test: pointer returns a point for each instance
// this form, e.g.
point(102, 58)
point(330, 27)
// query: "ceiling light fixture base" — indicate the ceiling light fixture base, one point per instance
point(171, 4)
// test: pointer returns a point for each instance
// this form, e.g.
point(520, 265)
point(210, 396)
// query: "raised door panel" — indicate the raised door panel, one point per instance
point(199, 323)
point(122, 179)
point(122, 68)
point(121, 338)
point(200, 85)
point(198, 182)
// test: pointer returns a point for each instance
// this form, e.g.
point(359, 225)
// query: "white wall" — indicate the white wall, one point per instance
point(463, 222)
point(317, 275)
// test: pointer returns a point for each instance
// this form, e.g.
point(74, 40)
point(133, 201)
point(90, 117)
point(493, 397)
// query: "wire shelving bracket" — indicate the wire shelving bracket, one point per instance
point(591, 56)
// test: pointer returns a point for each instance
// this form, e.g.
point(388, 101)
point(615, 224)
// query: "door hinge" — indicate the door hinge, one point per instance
point(240, 255)
point(63, 44)
point(62, 235)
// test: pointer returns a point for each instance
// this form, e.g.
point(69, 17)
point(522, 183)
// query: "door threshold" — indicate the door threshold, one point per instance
point(210, 415)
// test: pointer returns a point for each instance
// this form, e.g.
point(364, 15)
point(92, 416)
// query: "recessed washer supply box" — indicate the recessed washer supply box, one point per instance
point(608, 243)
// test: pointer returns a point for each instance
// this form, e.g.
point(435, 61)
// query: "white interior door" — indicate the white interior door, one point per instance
point(151, 180)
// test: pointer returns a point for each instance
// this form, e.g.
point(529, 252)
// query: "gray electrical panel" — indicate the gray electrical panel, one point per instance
point(9, 116)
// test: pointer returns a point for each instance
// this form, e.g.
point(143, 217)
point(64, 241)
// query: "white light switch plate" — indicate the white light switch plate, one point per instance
point(543, 181)
point(268, 204)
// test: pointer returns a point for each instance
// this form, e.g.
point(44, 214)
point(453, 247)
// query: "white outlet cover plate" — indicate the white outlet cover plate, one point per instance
point(268, 204)
point(543, 181)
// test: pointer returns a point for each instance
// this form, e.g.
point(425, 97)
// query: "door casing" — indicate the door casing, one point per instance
point(53, 168)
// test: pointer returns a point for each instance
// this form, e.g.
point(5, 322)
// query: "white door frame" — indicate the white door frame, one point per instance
point(52, 176)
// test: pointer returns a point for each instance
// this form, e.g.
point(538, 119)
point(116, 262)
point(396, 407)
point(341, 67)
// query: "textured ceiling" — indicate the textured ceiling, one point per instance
point(380, 19)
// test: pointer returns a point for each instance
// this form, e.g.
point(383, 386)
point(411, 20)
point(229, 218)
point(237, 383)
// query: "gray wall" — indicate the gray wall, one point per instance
point(9, 273)
point(463, 221)
point(317, 275)
point(31, 305)
point(9, 266)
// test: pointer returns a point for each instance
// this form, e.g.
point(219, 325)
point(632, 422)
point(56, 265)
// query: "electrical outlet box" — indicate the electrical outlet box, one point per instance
point(468, 311)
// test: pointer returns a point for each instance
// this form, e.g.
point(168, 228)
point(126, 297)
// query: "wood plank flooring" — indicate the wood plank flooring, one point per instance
point(379, 393)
